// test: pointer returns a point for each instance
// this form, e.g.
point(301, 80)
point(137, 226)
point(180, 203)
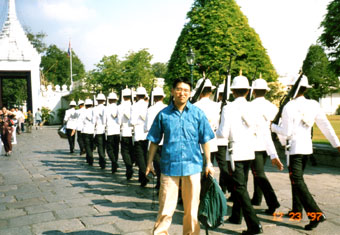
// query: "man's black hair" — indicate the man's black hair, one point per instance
point(240, 92)
point(259, 92)
point(157, 98)
point(301, 90)
point(182, 79)
point(206, 90)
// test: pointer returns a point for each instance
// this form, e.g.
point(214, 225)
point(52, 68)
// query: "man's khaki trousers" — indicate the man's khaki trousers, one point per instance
point(168, 195)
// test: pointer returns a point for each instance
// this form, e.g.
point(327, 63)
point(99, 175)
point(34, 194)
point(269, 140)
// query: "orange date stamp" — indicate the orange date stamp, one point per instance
point(297, 216)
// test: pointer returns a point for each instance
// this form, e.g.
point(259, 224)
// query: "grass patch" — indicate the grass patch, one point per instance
point(319, 138)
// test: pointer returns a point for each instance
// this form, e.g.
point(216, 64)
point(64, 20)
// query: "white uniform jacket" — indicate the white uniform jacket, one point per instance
point(151, 115)
point(124, 115)
point(266, 112)
point(71, 119)
point(238, 126)
point(88, 122)
point(298, 117)
point(138, 116)
point(80, 118)
point(99, 119)
point(211, 110)
point(112, 120)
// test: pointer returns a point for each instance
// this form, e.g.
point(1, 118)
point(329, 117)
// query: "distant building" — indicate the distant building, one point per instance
point(329, 103)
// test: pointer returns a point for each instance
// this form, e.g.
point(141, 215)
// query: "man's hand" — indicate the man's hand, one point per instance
point(276, 162)
point(209, 169)
point(73, 132)
point(149, 169)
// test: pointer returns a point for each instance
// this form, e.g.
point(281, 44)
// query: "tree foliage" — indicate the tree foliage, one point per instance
point(37, 40)
point(55, 65)
point(106, 76)
point(217, 29)
point(14, 92)
point(330, 38)
point(159, 70)
point(317, 68)
point(113, 73)
point(138, 69)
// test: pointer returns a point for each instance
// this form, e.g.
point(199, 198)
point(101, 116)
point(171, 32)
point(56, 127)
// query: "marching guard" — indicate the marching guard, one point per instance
point(138, 116)
point(112, 130)
point(126, 145)
point(80, 120)
point(298, 117)
point(237, 126)
point(264, 146)
point(70, 120)
point(99, 121)
point(88, 130)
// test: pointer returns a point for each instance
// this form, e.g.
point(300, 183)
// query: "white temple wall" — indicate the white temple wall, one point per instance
point(330, 103)
point(53, 99)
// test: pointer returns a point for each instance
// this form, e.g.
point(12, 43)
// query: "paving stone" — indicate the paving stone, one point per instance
point(16, 231)
point(2, 207)
point(77, 202)
point(101, 230)
point(46, 207)
point(61, 226)
point(75, 212)
point(8, 199)
point(25, 203)
point(12, 213)
point(98, 219)
point(3, 224)
point(6, 188)
point(31, 219)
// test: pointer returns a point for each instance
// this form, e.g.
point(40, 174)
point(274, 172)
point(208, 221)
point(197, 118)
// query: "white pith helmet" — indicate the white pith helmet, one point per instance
point(240, 82)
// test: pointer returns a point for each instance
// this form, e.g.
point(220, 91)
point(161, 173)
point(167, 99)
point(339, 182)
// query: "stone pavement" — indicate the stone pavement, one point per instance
point(46, 190)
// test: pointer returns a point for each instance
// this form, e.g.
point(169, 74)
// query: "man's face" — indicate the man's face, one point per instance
point(181, 93)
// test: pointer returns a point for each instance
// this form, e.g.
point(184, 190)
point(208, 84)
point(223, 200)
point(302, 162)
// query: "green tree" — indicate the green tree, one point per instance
point(55, 65)
point(14, 92)
point(317, 68)
point(37, 39)
point(159, 69)
point(137, 69)
point(107, 75)
point(112, 73)
point(215, 30)
point(330, 38)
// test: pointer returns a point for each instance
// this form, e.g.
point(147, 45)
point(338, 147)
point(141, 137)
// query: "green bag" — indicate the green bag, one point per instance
point(213, 204)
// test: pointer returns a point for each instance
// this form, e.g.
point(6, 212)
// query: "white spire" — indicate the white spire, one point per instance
point(11, 10)
point(14, 44)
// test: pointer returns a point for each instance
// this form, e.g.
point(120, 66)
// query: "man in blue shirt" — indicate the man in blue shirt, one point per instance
point(183, 127)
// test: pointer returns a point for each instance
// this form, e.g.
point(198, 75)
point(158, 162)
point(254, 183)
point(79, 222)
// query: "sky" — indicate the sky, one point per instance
point(98, 28)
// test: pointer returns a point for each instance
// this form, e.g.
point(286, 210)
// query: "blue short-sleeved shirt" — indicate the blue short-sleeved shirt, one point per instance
point(183, 134)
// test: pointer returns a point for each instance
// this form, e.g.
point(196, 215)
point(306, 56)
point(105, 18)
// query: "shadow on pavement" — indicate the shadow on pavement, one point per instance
point(86, 232)
point(101, 182)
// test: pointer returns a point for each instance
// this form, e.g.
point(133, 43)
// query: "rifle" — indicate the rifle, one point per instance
point(251, 81)
point(225, 98)
point(226, 85)
point(120, 97)
point(199, 90)
point(150, 96)
point(216, 93)
point(291, 94)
